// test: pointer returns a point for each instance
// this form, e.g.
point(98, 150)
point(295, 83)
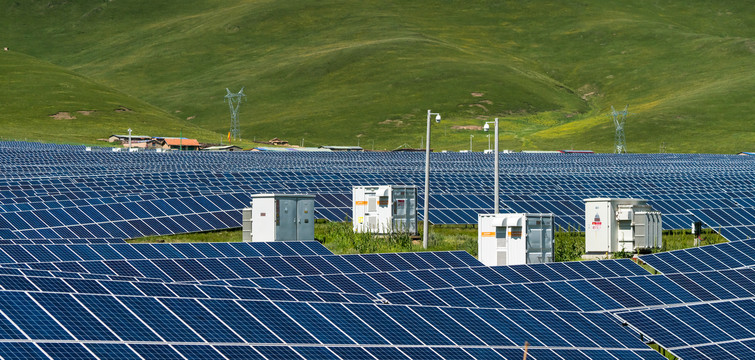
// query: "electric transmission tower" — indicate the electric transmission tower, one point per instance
point(619, 118)
point(234, 100)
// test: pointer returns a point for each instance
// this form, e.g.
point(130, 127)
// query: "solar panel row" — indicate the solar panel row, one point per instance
point(254, 267)
point(10, 240)
point(170, 290)
point(719, 256)
point(136, 351)
point(118, 224)
point(602, 294)
point(37, 253)
point(405, 280)
point(68, 275)
point(81, 317)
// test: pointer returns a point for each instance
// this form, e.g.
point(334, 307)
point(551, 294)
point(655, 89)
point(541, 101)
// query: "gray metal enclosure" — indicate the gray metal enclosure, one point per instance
point(246, 224)
point(540, 238)
point(282, 217)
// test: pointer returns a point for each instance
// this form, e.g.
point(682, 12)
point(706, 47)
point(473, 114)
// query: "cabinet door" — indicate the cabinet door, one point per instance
point(285, 220)
point(305, 222)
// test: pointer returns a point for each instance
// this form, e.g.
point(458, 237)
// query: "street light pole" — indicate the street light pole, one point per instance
point(470, 142)
point(427, 180)
point(129, 139)
point(495, 168)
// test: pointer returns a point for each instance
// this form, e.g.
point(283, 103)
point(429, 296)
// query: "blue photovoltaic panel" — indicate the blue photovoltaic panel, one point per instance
point(720, 256)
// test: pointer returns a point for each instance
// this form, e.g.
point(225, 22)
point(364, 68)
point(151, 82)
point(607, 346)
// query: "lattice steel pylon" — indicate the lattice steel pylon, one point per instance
point(619, 119)
point(234, 100)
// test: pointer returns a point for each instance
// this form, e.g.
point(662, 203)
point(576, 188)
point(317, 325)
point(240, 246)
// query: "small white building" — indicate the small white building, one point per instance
point(613, 225)
point(513, 239)
point(124, 138)
point(385, 209)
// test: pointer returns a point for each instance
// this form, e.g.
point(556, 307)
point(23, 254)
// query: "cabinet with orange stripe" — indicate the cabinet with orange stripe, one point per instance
point(385, 209)
point(511, 239)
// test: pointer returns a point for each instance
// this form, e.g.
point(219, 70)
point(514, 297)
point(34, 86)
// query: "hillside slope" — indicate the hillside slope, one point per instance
point(41, 101)
point(340, 72)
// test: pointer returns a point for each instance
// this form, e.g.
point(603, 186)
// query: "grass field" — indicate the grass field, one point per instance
point(339, 238)
point(346, 73)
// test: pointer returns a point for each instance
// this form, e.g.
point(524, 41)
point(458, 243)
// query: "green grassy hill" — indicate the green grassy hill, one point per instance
point(41, 101)
point(342, 72)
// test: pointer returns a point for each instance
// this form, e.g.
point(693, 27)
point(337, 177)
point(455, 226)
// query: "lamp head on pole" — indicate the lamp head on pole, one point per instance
point(437, 118)
point(486, 127)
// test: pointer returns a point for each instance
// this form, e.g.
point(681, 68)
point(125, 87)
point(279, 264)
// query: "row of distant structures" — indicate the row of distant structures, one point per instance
point(144, 142)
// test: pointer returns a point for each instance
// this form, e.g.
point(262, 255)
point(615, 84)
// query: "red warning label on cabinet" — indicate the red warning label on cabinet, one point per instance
point(596, 224)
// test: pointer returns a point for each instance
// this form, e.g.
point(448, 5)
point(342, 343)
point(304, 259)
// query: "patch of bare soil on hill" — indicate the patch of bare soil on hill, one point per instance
point(481, 106)
point(65, 115)
point(588, 91)
point(391, 122)
point(466, 127)
point(750, 44)
point(62, 115)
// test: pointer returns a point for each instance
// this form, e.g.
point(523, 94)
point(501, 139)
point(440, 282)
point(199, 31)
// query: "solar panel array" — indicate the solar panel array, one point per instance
point(70, 287)
point(57, 315)
point(49, 191)
point(466, 310)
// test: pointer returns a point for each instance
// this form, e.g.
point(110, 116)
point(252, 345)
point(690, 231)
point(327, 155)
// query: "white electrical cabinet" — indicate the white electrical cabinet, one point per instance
point(385, 209)
point(512, 239)
point(613, 225)
point(282, 217)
